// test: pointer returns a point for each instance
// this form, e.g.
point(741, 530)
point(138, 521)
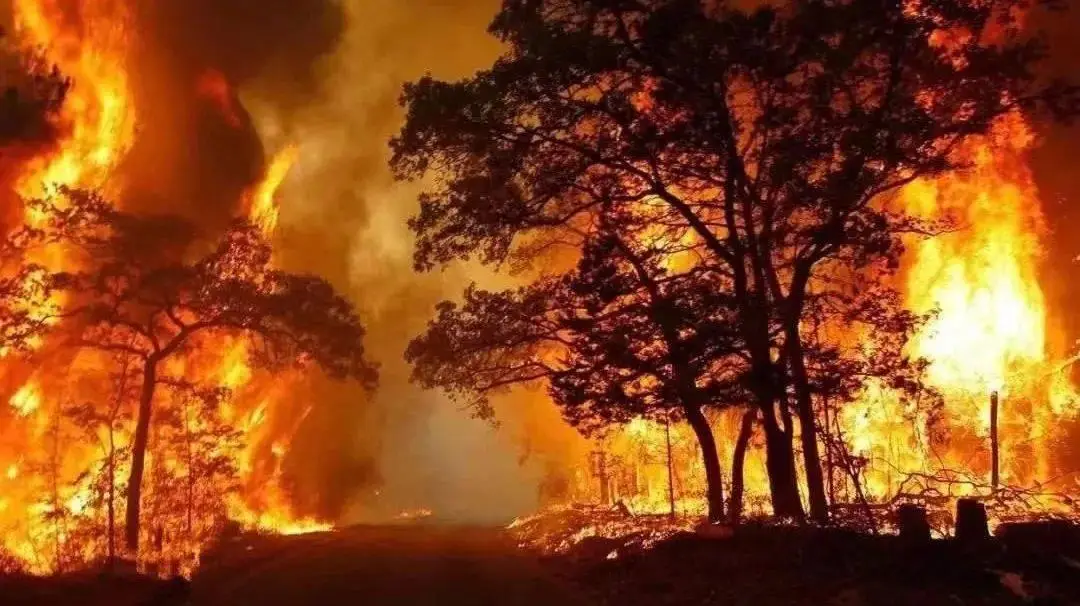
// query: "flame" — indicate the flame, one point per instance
point(60, 466)
point(98, 118)
point(987, 333)
point(27, 400)
point(983, 280)
point(262, 200)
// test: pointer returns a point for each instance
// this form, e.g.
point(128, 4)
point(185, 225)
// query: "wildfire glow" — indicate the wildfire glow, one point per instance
point(27, 400)
point(987, 333)
point(57, 462)
point(983, 279)
point(214, 87)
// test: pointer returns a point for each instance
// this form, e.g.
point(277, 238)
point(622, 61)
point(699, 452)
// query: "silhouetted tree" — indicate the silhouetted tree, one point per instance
point(774, 135)
point(33, 94)
point(623, 335)
point(146, 287)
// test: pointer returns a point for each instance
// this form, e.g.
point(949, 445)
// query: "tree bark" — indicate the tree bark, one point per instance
point(112, 497)
point(780, 465)
point(738, 461)
point(804, 408)
point(138, 454)
point(670, 467)
point(995, 473)
point(714, 477)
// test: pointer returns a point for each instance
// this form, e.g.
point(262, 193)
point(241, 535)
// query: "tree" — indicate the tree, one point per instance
point(95, 421)
point(624, 335)
point(188, 500)
point(32, 96)
point(146, 288)
point(775, 136)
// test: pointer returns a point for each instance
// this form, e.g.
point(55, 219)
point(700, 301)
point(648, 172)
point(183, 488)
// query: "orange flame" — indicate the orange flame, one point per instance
point(262, 200)
point(98, 119)
point(987, 333)
point(45, 452)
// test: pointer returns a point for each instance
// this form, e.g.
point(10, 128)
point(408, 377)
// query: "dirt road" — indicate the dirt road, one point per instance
point(377, 566)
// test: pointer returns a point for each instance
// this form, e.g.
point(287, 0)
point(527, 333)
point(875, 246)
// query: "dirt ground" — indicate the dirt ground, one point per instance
point(453, 565)
point(375, 566)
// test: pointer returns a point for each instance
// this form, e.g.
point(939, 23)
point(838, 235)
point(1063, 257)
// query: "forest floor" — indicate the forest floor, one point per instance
point(765, 566)
point(661, 565)
point(407, 565)
point(90, 589)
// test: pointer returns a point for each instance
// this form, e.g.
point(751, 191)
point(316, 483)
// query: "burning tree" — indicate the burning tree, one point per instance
point(775, 139)
point(105, 425)
point(148, 290)
point(32, 96)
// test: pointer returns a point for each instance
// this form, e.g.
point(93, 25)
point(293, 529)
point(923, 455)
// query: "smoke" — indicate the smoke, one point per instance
point(345, 216)
point(1059, 183)
point(325, 76)
point(188, 157)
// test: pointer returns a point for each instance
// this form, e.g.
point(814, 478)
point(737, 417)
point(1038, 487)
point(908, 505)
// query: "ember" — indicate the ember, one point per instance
point(564, 530)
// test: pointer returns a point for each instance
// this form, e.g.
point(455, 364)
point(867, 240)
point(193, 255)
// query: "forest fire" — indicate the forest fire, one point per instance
point(819, 316)
point(770, 269)
point(985, 342)
point(986, 345)
point(98, 119)
point(64, 469)
point(987, 338)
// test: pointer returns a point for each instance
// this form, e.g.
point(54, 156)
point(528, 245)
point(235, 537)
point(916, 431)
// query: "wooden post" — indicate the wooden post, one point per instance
point(971, 522)
point(995, 471)
point(912, 523)
point(605, 488)
point(601, 474)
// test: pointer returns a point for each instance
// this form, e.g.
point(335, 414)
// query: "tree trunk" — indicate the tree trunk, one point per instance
point(780, 465)
point(190, 476)
point(714, 477)
point(995, 473)
point(804, 407)
point(738, 461)
point(112, 497)
point(138, 454)
point(670, 467)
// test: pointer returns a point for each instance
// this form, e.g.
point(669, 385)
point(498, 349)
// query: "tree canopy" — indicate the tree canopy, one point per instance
point(145, 287)
point(769, 140)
